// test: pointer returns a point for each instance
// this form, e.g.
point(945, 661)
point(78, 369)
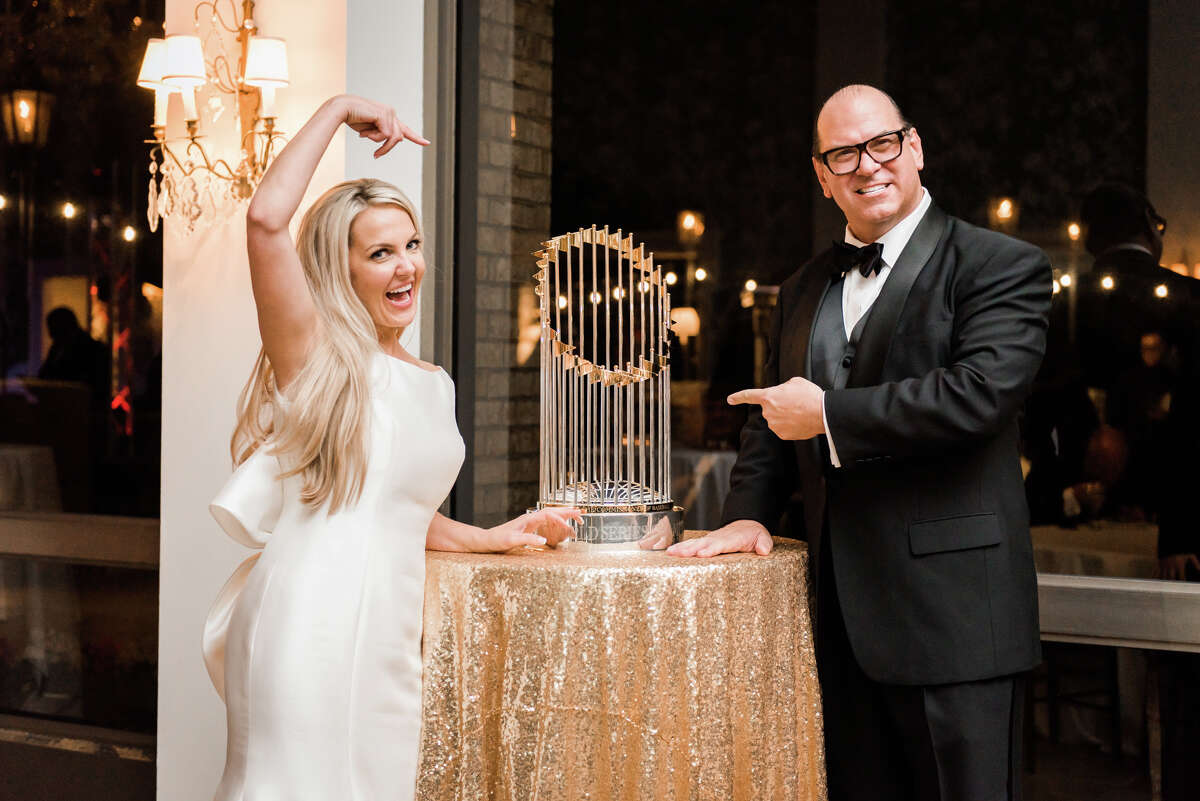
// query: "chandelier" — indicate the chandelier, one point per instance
point(187, 182)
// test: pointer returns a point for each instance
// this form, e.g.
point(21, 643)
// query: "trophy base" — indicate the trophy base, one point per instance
point(652, 530)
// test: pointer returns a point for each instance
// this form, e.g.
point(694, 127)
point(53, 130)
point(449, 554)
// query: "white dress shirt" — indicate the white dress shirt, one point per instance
point(860, 291)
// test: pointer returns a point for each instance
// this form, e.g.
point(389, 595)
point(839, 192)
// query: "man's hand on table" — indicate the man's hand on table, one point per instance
point(740, 536)
point(1175, 566)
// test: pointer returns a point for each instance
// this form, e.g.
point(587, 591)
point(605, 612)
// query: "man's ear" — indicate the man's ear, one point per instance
point(915, 144)
point(821, 179)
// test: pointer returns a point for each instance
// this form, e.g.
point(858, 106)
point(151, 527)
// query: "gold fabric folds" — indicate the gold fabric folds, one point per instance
point(558, 675)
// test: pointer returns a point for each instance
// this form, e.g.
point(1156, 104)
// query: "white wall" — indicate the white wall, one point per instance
point(210, 338)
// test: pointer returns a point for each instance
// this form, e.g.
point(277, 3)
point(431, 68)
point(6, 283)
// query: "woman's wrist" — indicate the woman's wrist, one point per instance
point(475, 539)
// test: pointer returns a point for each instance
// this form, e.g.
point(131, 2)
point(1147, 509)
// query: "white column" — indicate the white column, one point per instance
point(210, 339)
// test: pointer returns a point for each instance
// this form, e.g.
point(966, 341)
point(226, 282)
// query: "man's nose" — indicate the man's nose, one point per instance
point(867, 165)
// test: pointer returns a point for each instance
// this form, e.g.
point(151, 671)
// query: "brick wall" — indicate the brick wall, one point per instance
point(516, 54)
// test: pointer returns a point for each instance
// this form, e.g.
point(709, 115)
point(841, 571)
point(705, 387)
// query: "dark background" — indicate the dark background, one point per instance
point(670, 105)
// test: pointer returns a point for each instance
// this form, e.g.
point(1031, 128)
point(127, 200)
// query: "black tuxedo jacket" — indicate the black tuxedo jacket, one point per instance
point(926, 518)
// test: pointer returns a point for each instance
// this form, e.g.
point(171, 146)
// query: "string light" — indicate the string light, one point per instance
point(129, 234)
point(69, 210)
point(701, 273)
point(751, 285)
point(1107, 282)
point(1066, 279)
point(1161, 290)
point(670, 278)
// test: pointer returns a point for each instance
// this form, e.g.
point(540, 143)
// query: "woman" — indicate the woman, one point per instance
point(346, 446)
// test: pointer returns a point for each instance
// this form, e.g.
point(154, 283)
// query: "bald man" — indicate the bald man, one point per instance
point(899, 360)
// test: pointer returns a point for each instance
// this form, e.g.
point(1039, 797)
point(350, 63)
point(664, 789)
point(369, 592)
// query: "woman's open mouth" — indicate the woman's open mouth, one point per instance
point(401, 297)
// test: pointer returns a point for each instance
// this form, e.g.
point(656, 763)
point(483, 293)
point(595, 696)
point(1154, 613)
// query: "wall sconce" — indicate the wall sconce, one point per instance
point(1003, 213)
point(746, 296)
point(685, 322)
point(690, 226)
point(186, 181)
point(26, 115)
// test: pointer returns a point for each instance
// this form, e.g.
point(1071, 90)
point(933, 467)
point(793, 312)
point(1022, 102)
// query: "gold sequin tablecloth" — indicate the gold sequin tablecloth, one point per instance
point(560, 675)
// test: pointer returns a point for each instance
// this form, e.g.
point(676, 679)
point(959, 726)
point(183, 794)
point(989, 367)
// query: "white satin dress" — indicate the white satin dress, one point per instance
point(315, 642)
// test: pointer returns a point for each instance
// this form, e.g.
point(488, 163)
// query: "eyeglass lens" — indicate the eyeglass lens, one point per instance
point(882, 149)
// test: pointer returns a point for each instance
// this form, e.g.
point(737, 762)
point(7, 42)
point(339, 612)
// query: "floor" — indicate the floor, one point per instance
point(31, 773)
point(1084, 773)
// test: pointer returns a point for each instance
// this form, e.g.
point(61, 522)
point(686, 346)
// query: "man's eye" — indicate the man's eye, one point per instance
point(844, 154)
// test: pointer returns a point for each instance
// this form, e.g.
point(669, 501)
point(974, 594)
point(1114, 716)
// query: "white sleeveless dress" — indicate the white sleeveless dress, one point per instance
point(315, 642)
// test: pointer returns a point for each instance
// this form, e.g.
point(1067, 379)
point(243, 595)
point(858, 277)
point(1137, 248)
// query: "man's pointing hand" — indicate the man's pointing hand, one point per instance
point(792, 409)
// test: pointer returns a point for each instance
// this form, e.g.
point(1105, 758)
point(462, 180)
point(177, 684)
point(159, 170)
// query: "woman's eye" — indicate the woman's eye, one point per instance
point(379, 253)
point(414, 244)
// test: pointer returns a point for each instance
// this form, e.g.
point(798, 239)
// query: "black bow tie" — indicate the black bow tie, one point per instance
point(868, 259)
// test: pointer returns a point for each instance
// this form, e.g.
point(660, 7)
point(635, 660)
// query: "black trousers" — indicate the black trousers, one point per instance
point(949, 742)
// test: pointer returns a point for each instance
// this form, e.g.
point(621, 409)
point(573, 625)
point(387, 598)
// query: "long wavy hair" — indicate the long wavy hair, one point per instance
point(321, 430)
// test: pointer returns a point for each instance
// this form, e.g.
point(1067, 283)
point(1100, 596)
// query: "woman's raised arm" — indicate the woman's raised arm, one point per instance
point(286, 317)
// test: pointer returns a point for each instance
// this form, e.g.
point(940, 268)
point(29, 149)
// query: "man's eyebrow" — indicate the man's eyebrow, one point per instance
point(868, 139)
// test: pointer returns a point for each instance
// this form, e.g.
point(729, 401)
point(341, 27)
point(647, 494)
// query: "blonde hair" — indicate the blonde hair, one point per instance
point(323, 427)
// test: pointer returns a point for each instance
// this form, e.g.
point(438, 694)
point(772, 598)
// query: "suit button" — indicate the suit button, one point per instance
point(847, 361)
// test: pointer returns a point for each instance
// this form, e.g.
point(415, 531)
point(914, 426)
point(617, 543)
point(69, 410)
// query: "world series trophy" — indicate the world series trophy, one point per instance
point(606, 390)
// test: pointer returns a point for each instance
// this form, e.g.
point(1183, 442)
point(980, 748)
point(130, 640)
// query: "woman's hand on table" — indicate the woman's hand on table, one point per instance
point(740, 536)
point(547, 526)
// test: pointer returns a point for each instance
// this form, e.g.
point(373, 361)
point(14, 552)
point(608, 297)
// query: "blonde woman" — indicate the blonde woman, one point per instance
point(346, 445)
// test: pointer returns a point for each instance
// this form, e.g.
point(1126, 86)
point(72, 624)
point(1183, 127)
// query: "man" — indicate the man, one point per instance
point(1124, 235)
point(903, 367)
point(1140, 300)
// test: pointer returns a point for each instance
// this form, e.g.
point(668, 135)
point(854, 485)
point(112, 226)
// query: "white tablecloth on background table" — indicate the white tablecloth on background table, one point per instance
point(28, 480)
point(29, 483)
point(1117, 550)
point(699, 483)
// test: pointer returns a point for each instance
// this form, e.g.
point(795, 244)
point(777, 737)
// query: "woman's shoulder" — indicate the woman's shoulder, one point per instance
point(411, 362)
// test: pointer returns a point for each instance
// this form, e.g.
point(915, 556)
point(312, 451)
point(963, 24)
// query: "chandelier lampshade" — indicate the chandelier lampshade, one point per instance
point(267, 68)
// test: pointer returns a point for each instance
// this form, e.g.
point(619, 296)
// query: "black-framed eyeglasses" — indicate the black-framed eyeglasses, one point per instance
point(1159, 221)
point(883, 148)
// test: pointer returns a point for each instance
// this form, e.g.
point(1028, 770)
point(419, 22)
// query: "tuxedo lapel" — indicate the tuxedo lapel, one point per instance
point(796, 333)
point(885, 311)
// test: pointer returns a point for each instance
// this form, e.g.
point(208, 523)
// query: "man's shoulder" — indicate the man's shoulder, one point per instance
point(817, 266)
point(984, 243)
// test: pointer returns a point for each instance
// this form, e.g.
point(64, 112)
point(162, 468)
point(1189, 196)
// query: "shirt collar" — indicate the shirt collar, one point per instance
point(898, 235)
point(1126, 246)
